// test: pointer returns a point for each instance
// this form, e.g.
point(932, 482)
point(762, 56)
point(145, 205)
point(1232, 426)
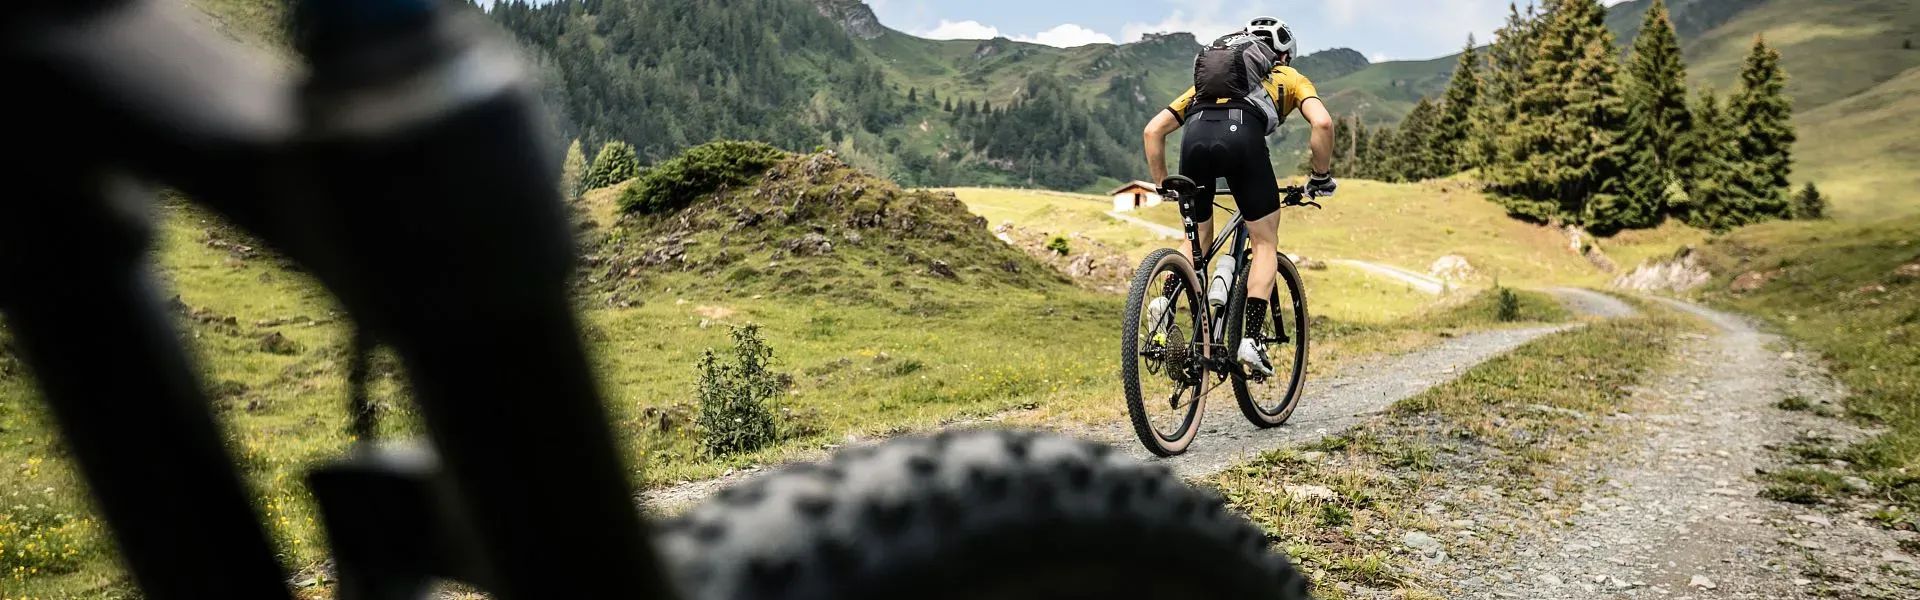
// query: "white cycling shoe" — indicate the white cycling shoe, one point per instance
point(1253, 358)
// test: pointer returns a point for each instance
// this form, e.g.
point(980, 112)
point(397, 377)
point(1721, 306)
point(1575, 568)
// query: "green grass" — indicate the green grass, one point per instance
point(1412, 225)
point(1484, 428)
point(1405, 225)
point(1062, 214)
point(1829, 295)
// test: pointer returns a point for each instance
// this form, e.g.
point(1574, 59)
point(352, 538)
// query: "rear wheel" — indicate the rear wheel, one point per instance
point(972, 514)
point(1269, 401)
point(1163, 356)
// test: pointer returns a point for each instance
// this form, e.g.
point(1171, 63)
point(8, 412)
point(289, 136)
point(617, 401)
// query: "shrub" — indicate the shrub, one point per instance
point(674, 184)
point(736, 396)
point(615, 163)
point(1059, 246)
point(1509, 308)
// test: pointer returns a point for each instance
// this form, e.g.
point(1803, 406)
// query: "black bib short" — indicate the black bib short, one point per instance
point(1229, 143)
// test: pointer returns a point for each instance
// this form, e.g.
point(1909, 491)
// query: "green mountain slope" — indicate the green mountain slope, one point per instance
point(1831, 49)
point(1862, 150)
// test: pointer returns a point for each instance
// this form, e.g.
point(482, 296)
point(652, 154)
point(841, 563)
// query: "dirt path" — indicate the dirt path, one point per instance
point(1678, 514)
point(1172, 233)
point(1334, 405)
point(1330, 406)
point(1418, 282)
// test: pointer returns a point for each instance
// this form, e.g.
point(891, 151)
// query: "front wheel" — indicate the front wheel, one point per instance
point(972, 515)
point(1163, 353)
point(1269, 401)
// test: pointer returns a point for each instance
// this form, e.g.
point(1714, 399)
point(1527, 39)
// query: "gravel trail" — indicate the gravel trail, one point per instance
point(1678, 514)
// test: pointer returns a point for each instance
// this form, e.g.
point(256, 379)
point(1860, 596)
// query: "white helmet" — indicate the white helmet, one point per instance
point(1275, 32)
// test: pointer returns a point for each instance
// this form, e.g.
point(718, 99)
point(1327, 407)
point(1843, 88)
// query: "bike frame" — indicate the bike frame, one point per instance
point(1236, 240)
point(1238, 237)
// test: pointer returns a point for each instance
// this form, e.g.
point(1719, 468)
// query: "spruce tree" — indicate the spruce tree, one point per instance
point(913, 95)
point(1809, 204)
point(1764, 116)
point(573, 171)
point(615, 163)
point(1507, 62)
point(1657, 120)
point(1454, 124)
point(1711, 200)
point(1415, 152)
point(1567, 115)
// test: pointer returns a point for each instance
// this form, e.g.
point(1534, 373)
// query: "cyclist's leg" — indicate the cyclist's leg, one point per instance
point(1258, 194)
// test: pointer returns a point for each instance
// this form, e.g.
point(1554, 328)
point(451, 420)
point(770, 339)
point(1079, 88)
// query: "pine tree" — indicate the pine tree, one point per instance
point(1657, 121)
point(913, 95)
point(615, 163)
point(948, 106)
point(1764, 116)
point(1507, 62)
point(1564, 138)
point(1455, 122)
point(573, 171)
point(933, 95)
point(1414, 148)
point(1712, 199)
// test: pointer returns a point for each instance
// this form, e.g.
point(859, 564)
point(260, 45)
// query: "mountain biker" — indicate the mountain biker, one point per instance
point(1244, 87)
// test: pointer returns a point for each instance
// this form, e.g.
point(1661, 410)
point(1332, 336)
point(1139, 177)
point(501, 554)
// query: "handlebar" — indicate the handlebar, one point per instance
point(1292, 195)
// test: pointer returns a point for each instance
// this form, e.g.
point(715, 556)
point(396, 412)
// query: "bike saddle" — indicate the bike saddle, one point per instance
point(1179, 184)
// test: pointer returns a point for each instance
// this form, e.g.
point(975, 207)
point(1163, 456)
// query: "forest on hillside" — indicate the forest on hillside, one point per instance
point(663, 76)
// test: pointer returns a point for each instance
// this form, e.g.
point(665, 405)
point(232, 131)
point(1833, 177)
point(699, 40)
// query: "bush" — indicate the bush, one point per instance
point(1809, 204)
point(674, 184)
point(1059, 246)
point(1509, 308)
point(615, 163)
point(736, 396)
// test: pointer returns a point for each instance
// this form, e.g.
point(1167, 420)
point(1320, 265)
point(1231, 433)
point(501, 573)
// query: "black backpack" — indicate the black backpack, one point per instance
point(1232, 67)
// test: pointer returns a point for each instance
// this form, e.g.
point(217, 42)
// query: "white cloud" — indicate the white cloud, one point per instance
point(961, 30)
point(1065, 35)
point(1068, 35)
point(1378, 58)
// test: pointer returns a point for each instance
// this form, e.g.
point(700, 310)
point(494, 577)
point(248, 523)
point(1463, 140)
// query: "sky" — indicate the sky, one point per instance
point(1381, 29)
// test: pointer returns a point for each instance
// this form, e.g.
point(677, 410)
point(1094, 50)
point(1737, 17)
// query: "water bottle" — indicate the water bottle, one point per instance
point(1222, 277)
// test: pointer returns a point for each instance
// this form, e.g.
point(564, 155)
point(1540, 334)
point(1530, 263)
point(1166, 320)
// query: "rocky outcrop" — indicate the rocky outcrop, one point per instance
point(1081, 258)
point(1678, 273)
point(853, 16)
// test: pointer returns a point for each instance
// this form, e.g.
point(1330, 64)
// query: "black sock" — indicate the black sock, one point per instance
point(1256, 317)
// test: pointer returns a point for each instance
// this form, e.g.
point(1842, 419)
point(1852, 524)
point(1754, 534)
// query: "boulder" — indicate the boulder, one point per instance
point(1452, 267)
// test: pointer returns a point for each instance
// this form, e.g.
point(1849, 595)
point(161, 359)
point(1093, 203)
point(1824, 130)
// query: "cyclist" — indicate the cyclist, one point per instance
point(1243, 87)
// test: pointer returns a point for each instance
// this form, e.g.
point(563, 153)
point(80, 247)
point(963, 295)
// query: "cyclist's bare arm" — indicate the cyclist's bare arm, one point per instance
point(1163, 124)
point(1322, 139)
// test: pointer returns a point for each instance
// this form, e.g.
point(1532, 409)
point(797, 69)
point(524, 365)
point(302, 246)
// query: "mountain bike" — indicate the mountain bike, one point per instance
point(1173, 353)
point(408, 171)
